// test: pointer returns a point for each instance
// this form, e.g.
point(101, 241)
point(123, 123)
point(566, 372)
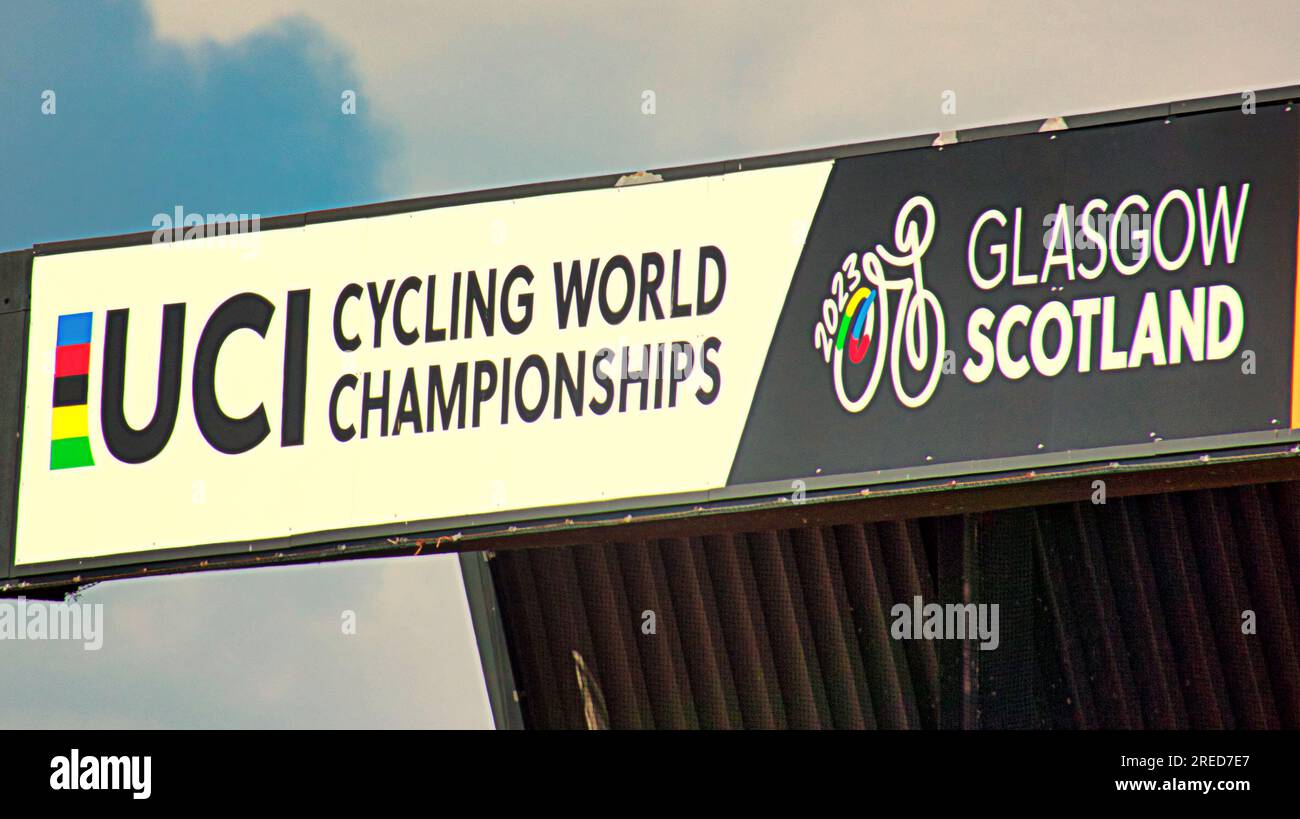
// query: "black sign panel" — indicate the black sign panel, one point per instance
point(1038, 295)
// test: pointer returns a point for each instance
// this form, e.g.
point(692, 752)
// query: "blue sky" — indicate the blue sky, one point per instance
point(234, 107)
point(142, 125)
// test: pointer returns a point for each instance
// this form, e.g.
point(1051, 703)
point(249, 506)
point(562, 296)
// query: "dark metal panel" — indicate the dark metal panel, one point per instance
point(1264, 559)
point(1182, 596)
point(1223, 102)
point(486, 617)
point(983, 132)
point(15, 288)
point(867, 595)
point(1121, 115)
point(711, 680)
point(15, 281)
point(1117, 614)
point(1004, 572)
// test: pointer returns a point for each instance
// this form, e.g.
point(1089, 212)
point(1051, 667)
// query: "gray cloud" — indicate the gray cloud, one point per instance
point(261, 648)
point(485, 94)
point(491, 93)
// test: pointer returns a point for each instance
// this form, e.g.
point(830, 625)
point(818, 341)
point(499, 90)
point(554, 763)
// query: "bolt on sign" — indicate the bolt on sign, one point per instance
point(701, 338)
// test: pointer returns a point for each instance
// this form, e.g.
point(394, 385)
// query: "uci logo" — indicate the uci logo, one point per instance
point(857, 317)
point(70, 438)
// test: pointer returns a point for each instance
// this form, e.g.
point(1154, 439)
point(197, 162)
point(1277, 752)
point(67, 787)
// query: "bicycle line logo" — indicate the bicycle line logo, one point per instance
point(856, 317)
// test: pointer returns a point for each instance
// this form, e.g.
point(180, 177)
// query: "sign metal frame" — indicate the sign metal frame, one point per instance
point(479, 531)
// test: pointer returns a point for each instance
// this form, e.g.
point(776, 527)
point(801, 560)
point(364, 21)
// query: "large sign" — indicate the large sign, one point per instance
point(1034, 299)
point(1105, 290)
point(504, 356)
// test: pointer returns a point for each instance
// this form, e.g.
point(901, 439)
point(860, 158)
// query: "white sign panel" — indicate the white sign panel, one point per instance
point(497, 357)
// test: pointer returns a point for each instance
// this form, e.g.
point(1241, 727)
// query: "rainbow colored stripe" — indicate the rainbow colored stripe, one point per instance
point(857, 309)
point(70, 433)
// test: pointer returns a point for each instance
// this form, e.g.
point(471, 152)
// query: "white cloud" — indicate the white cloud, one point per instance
point(491, 93)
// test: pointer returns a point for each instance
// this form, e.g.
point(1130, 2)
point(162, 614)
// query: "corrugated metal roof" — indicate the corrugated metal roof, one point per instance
point(1120, 615)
